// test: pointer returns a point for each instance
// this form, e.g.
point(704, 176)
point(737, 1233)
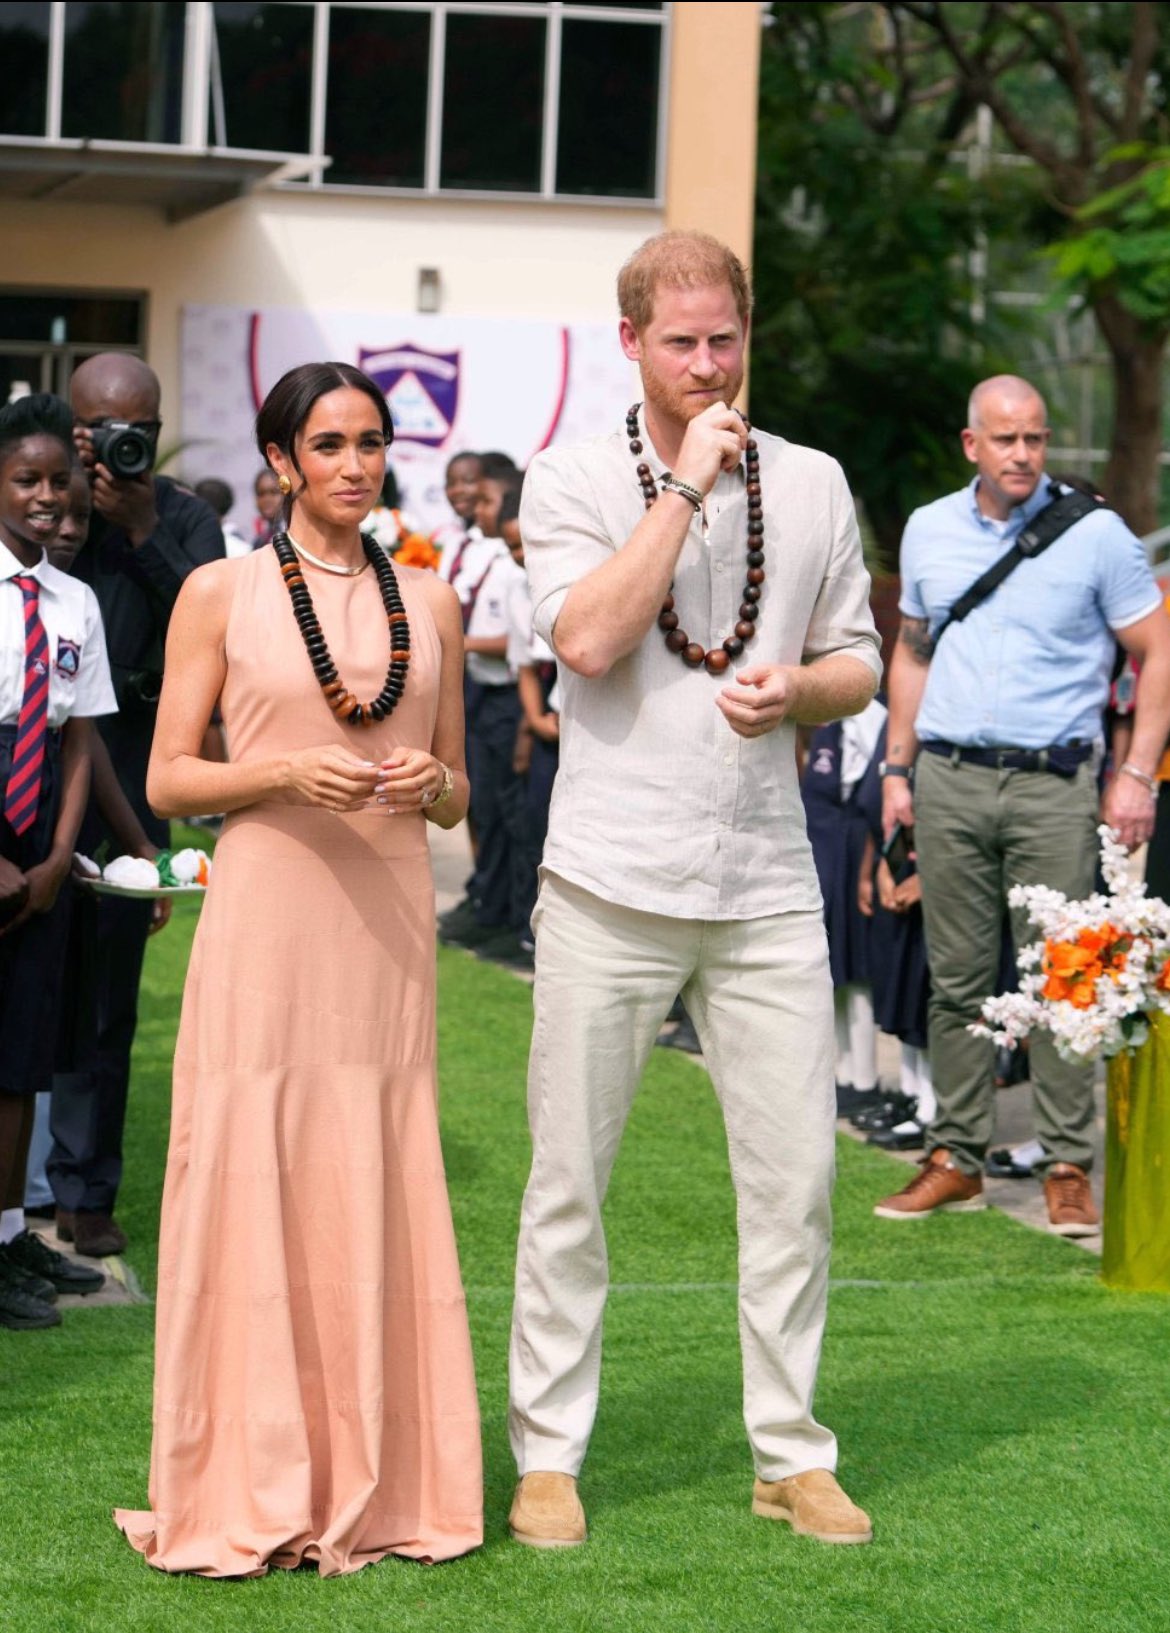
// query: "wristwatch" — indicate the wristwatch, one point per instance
point(885, 769)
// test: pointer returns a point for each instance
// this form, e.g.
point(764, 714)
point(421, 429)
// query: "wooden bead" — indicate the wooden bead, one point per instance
point(668, 620)
point(717, 661)
point(756, 575)
point(693, 654)
point(755, 558)
point(744, 630)
point(755, 529)
point(677, 640)
point(643, 469)
point(668, 604)
point(733, 646)
point(753, 490)
point(749, 611)
point(635, 446)
point(751, 592)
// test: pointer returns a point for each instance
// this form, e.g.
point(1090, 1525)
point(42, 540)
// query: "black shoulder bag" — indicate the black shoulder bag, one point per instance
point(1044, 529)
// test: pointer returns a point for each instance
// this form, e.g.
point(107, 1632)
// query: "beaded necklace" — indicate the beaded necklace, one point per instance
point(691, 652)
point(340, 700)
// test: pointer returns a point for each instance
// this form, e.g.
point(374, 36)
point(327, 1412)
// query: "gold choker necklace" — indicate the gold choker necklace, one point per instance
point(327, 566)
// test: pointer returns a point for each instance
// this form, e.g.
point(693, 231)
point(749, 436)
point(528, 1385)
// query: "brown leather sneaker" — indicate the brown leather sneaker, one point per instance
point(937, 1187)
point(1070, 1201)
point(814, 1505)
point(547, 1512)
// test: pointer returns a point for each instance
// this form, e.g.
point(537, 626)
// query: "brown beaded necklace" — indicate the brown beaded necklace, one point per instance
point(691, 652)
point(340, 700)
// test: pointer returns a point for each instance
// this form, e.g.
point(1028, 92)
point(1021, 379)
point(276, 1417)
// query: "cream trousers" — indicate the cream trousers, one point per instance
point(759, 993)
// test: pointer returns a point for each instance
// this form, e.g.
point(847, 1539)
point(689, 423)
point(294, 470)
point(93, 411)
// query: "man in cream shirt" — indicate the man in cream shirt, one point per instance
point(677, 861)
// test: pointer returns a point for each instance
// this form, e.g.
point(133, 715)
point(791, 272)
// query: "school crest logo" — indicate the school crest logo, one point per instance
point(421, 386)
point(822, 765)
point(68, 658)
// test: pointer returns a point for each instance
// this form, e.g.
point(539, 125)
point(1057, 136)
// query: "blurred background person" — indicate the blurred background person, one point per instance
point(220, 497)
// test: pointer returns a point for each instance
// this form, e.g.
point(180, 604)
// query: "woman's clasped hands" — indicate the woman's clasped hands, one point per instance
point(338, 780)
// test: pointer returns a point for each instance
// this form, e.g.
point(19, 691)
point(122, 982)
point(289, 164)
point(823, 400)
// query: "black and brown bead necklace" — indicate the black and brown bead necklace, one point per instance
point(340, 699)
point(718, 660)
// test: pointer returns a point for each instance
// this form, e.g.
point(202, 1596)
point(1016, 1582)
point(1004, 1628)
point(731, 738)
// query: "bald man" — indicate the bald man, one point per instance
point(147, 534)
point(993, 748)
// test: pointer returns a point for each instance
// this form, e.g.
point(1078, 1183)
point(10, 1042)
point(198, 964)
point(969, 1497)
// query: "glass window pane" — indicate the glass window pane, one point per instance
point(376, 115)
point(113, 320)
point(24, 51)
point(493, 103)
point(124, 71)
point(265, 59)
point(607, 137)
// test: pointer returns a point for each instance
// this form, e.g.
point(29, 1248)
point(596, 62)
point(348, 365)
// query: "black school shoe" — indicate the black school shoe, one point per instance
point(30, 1256)
point(20, 1310)
point(884, 1110)
point(907, 1136)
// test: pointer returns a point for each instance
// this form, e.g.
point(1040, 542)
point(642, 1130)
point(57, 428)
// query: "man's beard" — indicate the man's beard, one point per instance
point(676, 402)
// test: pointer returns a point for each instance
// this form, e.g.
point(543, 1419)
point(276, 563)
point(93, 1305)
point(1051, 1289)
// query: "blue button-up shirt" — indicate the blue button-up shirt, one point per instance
point(1030, 666)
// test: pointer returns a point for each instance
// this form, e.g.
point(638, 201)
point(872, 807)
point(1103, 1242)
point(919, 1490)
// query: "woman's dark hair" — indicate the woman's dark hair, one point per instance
point(495, 464)
point(38, 415)
point(456, 458)
point(290, 402)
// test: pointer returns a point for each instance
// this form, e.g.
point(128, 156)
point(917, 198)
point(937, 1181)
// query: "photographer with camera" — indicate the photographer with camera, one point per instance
point(147, 534)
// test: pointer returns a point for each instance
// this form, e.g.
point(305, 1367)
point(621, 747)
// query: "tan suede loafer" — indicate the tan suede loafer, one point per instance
point(814, 1505)
point(547, 1512)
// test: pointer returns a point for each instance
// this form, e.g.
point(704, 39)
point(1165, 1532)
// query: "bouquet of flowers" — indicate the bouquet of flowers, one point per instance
point(1099, 972)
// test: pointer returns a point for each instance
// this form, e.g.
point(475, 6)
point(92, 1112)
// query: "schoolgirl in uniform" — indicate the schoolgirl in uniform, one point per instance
point(54, 677)
point(837, 757)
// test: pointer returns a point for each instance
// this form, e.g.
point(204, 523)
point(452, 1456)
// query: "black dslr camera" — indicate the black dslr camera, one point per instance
point(124, 449)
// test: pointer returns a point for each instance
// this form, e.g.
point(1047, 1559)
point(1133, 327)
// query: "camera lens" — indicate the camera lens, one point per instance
point(123, 449)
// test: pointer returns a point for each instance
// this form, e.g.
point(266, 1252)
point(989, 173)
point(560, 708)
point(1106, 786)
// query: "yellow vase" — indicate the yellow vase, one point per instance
point(1136, 1225)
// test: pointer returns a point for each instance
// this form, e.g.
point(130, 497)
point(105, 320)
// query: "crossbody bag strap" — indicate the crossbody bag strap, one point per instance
point(1044, 529)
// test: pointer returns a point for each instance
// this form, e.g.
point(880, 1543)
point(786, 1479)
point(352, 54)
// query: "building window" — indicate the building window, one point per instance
point(607, 135)
point(493, 101)
point(24, 51)
point(376, 109)
point(124, 71)
point(261, 77)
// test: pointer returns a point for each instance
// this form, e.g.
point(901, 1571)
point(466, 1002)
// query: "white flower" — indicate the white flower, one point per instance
point(86, 865)
point(133, 871)
point(185, 865)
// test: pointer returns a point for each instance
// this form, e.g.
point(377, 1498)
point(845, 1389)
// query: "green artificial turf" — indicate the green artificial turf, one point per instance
point(1004, 1418)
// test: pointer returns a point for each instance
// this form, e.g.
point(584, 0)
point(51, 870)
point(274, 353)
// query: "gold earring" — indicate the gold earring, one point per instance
point(284, 484)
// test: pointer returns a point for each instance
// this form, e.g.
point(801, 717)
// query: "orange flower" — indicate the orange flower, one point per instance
point(416, 550)
point(1072, 969)
point(1163, 981)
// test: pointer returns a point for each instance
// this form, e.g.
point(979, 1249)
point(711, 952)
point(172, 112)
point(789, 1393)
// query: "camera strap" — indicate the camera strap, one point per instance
point(1048, 525)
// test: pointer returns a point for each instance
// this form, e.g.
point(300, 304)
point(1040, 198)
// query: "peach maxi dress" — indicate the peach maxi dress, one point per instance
point(314, 1397)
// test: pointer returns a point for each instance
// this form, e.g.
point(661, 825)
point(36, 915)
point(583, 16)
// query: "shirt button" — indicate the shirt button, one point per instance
point(718, 566)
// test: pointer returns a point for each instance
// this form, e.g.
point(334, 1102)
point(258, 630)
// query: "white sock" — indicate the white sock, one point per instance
point(844, 1067)
point(11, 1224)
point(927, 1104)
point(862, 1037)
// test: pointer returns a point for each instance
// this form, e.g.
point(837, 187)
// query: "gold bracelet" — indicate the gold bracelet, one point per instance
point(445, 791)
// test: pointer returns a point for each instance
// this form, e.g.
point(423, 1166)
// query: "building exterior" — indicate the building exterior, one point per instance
point(418, 164)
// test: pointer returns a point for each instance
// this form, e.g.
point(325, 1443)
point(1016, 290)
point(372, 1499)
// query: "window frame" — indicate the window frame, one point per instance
point(197, 67)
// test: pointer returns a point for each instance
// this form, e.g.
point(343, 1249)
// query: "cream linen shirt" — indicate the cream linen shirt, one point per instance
point(658, 805)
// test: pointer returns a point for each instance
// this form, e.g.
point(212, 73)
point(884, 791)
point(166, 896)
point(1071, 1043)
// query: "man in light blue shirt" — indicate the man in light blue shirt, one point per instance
point(1007, 715)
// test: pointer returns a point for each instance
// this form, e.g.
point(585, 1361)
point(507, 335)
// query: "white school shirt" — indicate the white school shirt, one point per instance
point(79, 671)
point(497, 582)
point(525, 646)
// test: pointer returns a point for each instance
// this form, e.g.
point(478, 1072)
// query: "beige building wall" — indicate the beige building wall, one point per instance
point(711, 133)
point(336, 251)
point(329, 252)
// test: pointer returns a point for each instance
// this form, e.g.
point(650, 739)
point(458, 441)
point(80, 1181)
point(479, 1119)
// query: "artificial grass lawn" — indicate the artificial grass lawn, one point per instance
point(1005, 1419)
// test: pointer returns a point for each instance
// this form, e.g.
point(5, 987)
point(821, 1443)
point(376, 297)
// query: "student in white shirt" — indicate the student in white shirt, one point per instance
point(54, 677)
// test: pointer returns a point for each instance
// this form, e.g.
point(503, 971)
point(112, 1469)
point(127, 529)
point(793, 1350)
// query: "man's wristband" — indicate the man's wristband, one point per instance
point(885, 769)
point(671, 484)
point(1149, 783)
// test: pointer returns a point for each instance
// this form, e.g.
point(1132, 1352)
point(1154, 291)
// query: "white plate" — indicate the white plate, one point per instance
point(102, 887)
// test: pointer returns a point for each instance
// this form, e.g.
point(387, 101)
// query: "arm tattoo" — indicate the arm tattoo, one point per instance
point(914, 635)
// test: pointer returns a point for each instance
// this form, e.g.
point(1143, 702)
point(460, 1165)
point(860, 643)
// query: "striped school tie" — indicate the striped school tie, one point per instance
point(28, 755)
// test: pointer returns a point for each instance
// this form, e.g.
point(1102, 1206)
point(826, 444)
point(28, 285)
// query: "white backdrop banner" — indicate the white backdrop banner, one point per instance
point(516, 385)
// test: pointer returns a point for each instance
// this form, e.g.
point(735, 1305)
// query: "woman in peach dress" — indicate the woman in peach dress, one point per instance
point(314, 1397)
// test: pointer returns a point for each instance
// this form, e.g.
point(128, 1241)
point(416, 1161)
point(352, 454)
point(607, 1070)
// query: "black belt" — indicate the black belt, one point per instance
point(1062, 759)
